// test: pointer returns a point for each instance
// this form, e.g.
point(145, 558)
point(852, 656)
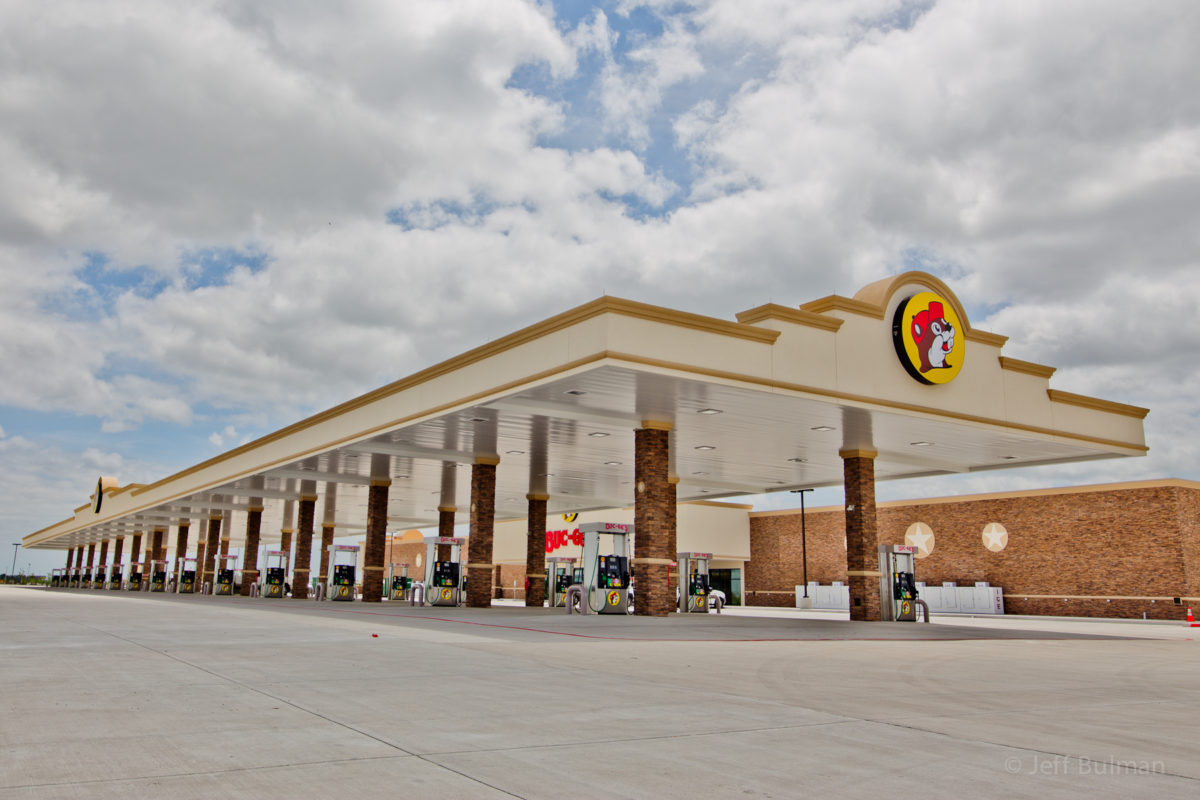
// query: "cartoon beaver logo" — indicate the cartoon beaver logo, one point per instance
point(925, 332)
point(934, 336)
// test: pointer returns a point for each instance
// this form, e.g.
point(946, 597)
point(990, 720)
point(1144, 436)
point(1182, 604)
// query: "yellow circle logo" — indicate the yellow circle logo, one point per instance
point(445, 594)
point(570, 517)
point(614, 598)
point(928, 338)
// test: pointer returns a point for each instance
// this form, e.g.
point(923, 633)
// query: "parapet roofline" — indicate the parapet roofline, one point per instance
point(1158, 483)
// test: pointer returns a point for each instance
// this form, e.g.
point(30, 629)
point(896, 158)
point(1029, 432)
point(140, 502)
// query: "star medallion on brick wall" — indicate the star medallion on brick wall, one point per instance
point(995, 537)
point(920, 536)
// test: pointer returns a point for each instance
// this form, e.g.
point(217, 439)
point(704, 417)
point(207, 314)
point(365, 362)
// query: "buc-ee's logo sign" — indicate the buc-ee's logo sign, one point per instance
point(928, 339)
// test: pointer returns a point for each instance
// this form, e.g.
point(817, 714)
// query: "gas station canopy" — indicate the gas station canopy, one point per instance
point(765, 403)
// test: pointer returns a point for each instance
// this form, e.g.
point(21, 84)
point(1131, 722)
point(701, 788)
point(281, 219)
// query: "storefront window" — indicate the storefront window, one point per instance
point(728, 581)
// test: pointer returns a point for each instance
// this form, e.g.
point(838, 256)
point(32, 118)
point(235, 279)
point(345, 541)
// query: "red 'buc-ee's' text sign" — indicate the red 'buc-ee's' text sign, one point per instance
point(557, 539)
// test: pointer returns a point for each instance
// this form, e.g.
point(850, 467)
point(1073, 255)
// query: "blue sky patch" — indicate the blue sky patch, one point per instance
point(213, 266)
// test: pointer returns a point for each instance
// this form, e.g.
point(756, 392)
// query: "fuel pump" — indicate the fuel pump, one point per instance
point(54, 578)
point(443, 579)
point(134, 582)
point(223, 583)
point(275, 575)
point(158, 576)
point(897, 583)
point(694, 587)
point(398, 581)
point(343, 559)
point(187, 576)
point(114, 576)
point(606, 577)
point(85, 582)
point(560, 573)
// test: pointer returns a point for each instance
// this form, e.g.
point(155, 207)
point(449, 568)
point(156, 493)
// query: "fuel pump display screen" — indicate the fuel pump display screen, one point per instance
point(399, 582)
point(698, 584)
point(561, 581)
point(275, 576)
point(614, 572)
point(343, 574)
point(225, 576)
point(445, 573)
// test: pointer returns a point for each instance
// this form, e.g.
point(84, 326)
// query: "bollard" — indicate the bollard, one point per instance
point(574, 597)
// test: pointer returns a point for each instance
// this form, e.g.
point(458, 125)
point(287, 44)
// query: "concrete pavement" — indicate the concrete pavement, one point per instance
point(108, 694)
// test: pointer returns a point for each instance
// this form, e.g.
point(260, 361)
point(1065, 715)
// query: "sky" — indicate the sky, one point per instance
point(218, 217)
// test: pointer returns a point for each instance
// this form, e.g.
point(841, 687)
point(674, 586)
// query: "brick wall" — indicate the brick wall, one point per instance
point(1112, 544)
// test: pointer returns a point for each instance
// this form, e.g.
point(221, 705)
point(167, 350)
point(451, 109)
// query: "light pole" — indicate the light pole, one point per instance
point(803, 539)
point(16, 547)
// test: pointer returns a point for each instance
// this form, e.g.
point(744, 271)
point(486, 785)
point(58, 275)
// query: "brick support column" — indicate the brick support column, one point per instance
point(135, 555)
point(200, 558)
point(653, 520)
point(211, 546)
point(304, 538)
point(117, 550)
point(445, 530)
point(862, 535)
point(181, 546)
point(70, 559)
point(147, 556)
point(535, 551)
point(159, 551)
point(250, 551)
point(285, 544)
point(102, 566)
point(91, 561)
point(377, 503)
point(483, 520)
point(326, 541)
point(224, 547)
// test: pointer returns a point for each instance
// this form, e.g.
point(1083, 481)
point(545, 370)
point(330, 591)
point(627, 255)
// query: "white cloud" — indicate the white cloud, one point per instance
point(1044, 157)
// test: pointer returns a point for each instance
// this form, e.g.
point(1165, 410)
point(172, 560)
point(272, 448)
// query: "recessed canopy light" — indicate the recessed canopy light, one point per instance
point(699, 473)
point(920, 444)
point(709, 411)
point(1009, 458)
point(514, 452)
point(545, 474)
point(798, 460)
point(823, 428)
point(705, 447)
point(704, 491)
point(612, 463)
point(597, 434)
point(575, 392)
point(476, 419)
